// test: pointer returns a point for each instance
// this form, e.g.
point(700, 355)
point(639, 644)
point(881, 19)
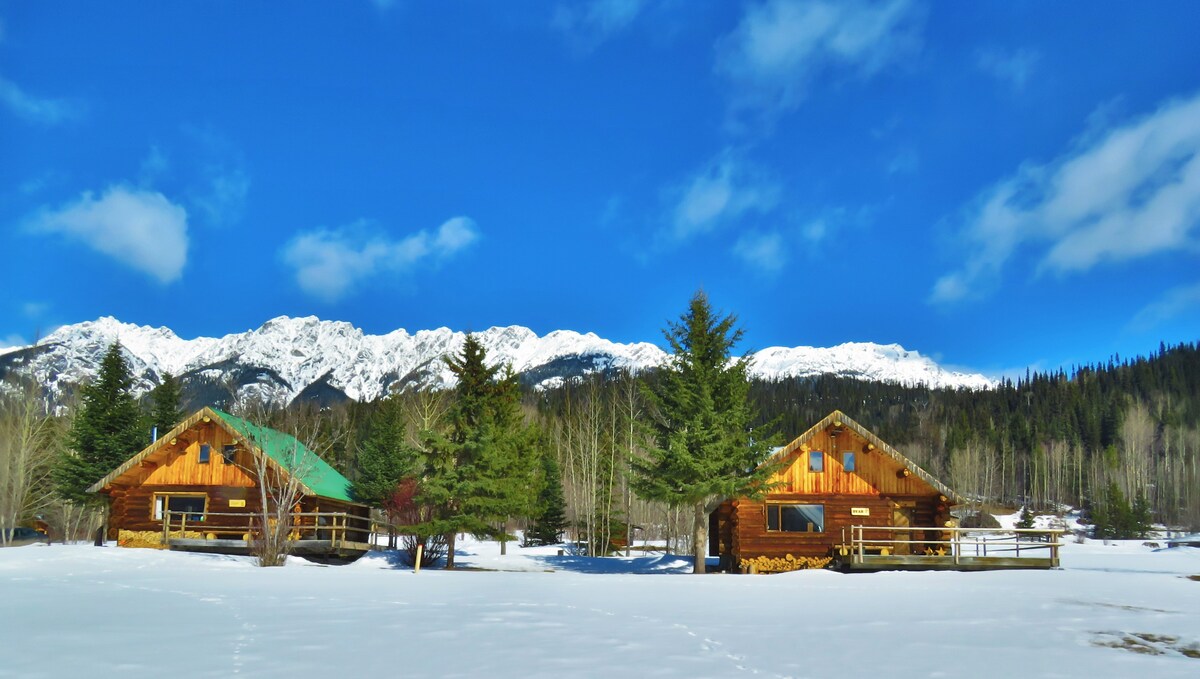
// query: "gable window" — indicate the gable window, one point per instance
point(228, 453)
point(796, 518)
point(205, 450)
point(191, 505)
point(816, 461)
point(848, 461)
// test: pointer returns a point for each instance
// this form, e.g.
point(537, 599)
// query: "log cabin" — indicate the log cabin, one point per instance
point(197, 488)
point(833, 477)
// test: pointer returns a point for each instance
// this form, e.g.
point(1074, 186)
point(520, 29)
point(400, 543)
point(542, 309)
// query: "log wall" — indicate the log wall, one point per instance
point(133, 507)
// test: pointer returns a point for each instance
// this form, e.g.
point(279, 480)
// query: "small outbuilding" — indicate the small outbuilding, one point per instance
point(845, 497)
point(198, 487)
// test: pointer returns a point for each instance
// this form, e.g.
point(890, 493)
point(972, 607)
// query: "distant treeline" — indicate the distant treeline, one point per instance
point(1045, 439)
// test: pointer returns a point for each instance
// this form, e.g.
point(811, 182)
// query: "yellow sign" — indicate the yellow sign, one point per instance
point(860, 511)
point(237, 503)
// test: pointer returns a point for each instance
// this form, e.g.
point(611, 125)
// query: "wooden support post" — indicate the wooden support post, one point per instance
point(166, 528)
point(417, 561)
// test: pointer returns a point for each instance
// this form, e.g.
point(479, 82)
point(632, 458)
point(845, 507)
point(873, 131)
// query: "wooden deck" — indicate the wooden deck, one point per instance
point(878, 548)
point(338, 535)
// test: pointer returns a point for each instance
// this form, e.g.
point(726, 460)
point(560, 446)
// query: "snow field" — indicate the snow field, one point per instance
point(84, 611)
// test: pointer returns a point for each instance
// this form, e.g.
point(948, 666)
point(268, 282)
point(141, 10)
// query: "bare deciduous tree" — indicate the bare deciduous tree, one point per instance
point(29, 437)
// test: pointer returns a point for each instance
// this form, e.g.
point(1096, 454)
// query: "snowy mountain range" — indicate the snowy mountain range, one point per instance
point(309, 359)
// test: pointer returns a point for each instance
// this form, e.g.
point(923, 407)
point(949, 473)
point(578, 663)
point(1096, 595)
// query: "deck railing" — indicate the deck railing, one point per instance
point(953, 545)
point(337, 527)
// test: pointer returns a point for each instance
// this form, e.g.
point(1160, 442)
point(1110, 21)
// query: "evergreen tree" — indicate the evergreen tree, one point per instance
point(107, 430)
point(166, 410)
point(480, 471)
point(551, 518)
point(705, 448)
point(1026, 520)
point(1140, 521)
point(385, 458)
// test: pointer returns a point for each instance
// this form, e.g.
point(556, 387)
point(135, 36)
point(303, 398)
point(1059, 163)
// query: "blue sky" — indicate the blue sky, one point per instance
point(995, 184)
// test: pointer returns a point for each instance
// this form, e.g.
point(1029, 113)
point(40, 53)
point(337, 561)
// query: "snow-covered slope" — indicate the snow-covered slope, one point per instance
point(291, 357)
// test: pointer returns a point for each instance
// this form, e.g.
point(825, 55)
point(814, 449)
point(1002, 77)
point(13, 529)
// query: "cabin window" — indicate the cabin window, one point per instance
point(796, 518)
point(192, 506)
point(848, 461)
point(205, 450)
point(816, 461)
point(228, 453)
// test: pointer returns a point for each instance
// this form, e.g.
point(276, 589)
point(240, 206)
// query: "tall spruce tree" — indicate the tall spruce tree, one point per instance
point(551, 510)
point(166, 408)
point(479, 472)
point(108, 429)
point(706, 449)
point(385, 457)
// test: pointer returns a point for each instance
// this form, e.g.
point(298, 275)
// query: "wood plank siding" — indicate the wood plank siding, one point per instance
point(882, 489)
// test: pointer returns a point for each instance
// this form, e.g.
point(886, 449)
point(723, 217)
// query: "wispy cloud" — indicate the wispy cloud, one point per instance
point(1126, 194)
point(781, 46)
point(1174, 303)
point(1014, 67)
point(331, 263)
point(218, 184)
point(139, 228)
point(726, 188)
point(587, 25)
point(34, 309)
point(765, 252)
point(33, 108)
point(223, 199)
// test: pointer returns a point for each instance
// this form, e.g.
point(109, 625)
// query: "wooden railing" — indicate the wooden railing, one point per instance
point(956, 545)
point(332, 526)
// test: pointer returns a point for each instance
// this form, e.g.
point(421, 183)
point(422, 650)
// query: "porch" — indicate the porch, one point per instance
point(332, 534)
point(878, 548)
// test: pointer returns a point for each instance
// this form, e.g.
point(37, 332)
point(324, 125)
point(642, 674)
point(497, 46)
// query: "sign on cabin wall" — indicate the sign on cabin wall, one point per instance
point(860, 511)
point(237, 503)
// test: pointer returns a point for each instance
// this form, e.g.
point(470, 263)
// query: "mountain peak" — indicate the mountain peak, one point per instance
point(289, 357)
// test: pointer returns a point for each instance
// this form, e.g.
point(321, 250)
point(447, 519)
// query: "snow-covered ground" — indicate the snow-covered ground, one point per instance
point(68, 611)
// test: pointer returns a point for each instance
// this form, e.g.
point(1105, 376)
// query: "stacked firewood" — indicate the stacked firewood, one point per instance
point(150, 538)
point(768, 564)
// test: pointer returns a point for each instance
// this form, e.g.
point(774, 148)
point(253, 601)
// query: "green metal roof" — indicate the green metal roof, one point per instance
point(293, 456)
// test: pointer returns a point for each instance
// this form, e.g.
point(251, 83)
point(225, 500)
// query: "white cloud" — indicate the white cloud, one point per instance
point(763, 251)
point(32, 108)
point(330, 263)
point(1014, 68)
point(1174, 303)
point(725, 189)
point(589, 24)
point(1130, 193)
point(780, 46)
point(139, 228)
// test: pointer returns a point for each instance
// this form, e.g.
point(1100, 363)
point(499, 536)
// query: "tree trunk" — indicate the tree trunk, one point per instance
point(699, 537)
point(450, 538)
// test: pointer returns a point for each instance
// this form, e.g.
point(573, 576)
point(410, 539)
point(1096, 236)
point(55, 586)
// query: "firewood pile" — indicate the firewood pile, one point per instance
point(768, 564)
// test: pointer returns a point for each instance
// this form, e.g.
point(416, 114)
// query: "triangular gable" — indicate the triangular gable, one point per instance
point(317, 477)
point(838, 416)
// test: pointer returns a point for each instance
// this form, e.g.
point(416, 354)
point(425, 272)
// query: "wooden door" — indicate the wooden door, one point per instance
point(902, 518)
